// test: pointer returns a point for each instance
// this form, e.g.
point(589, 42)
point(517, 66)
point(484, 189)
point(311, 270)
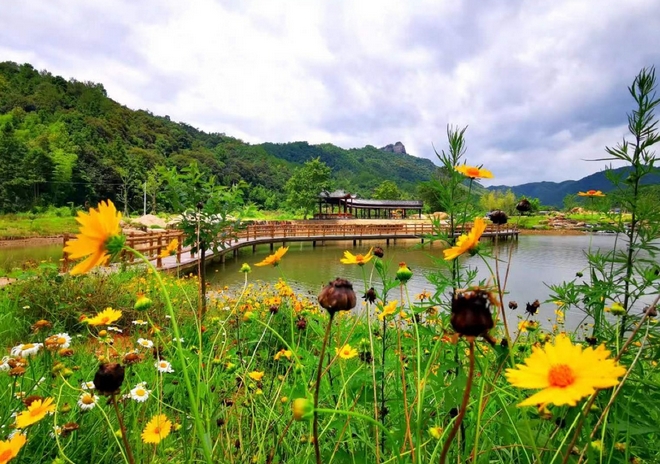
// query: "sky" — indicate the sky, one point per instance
point(540, 84)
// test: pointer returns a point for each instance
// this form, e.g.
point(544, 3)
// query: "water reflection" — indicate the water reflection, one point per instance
point(536, 263)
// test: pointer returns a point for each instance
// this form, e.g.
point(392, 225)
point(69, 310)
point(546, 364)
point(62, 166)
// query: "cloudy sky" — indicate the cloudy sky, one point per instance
point(541, 84)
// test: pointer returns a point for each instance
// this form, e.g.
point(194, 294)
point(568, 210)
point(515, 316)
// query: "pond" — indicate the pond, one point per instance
point(537, 261)
point(15, 255)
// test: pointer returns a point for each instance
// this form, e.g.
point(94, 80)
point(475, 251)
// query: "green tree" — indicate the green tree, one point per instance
point(497, 200)
point(387, 190)
point(209, 214)
point(306, 183)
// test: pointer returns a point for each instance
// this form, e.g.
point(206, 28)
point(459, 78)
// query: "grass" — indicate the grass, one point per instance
point(256, 351)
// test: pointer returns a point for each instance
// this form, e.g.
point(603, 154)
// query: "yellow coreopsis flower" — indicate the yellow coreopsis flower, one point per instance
point(35, 412)
point(283, 353)
point(466, 242)
point(170, 249)
point(256, 375)
point(591, 193)
point(273, 259)
point(360, 260)
point(9, 449)
point(157, 429)
point(474, 172)
point(388, 310)
point(346, 352)
point(105, 317)
point(566, 373)
point(99, 237)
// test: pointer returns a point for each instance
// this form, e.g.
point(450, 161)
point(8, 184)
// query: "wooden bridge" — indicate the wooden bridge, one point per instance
point(153, 244)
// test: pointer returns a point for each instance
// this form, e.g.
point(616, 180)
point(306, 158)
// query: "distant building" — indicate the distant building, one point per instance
point(339, 204)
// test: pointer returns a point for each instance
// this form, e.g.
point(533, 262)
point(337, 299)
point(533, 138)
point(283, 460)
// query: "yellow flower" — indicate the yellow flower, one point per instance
point(97, 230)
point(360, 260)
point(105, 317)
point(286, 353)
point(591, 193)
point(346, 352)
point(566, 373)
point(466, 242)
point(256, 375)
point(273, 259)
point(35, 412)
point(302, 409)
point(388, 310)
point(474, 172)
point(9, 449)
point(528, 326)
point(170, 249)
point(436, 432)
point(158, 428)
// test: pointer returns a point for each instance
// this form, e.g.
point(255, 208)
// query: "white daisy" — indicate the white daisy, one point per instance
point(4, 364)
point(164, 366)
point(88, 385)
point(57, 430)
point(144, 343)
point(167, 316)
point(87, 401)
point(140, 322)
point(178, 339)
point(60, 340)
point(115, 329)
point(26, 349)
point(140, 392)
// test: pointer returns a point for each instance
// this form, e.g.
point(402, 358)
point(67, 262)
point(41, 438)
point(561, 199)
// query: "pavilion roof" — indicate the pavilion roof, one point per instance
point(337, 194)
point(391, 204)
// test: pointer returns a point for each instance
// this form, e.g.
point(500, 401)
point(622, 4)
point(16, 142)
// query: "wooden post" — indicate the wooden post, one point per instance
point(159, 260)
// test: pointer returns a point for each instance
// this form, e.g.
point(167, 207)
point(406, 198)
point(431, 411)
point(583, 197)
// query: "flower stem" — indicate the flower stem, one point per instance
point(124, 438)
point(317, 387)
point(464, 403)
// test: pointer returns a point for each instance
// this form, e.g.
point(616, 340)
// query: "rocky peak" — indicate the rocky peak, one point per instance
point(396, 148)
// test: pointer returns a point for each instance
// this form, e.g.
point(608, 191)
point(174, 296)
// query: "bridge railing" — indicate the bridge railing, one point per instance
point(152, 244)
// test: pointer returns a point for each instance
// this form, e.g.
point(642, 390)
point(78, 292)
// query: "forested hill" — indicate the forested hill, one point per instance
point(65, 141)
point(553, 193)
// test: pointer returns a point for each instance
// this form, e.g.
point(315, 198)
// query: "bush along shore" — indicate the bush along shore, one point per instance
point(136, 366)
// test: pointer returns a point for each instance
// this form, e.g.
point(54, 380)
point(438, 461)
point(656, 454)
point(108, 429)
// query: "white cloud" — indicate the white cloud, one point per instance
point(541, 85)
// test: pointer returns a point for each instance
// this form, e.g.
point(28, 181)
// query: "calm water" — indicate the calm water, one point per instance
point(15, 256)
point(537, 261)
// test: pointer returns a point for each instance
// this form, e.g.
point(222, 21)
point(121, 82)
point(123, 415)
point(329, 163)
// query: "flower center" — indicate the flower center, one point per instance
point(473, 172)
point(561, 376)
point(139, 392)
point(28, 346)
point(105, 320)
point(6, 455)
point(61, 341)
point(157, 430)
point(87, 399)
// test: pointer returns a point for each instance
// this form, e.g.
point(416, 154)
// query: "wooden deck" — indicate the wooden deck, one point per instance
point(153, 244)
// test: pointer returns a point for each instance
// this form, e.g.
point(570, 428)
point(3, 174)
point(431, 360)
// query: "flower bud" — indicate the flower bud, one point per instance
point(142, 303)
point(338, 295)
point(245, 268)
point(302, 409)
point(403, 274)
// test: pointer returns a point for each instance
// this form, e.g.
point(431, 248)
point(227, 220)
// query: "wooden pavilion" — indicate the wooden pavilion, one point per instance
point(342, 205)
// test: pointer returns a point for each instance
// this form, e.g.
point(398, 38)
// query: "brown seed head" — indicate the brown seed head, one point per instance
point(498, 217)
point(338, 295)
point(470, 313)
point(108, 378)
point(524, 206)
point(378, 251)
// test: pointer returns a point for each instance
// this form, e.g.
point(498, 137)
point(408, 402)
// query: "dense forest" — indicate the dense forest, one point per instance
point(66, 142)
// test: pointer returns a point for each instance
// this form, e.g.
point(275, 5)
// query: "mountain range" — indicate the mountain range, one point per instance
point(65, 141)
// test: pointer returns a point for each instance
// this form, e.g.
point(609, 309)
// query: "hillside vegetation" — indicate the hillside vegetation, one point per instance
point(65, 141)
